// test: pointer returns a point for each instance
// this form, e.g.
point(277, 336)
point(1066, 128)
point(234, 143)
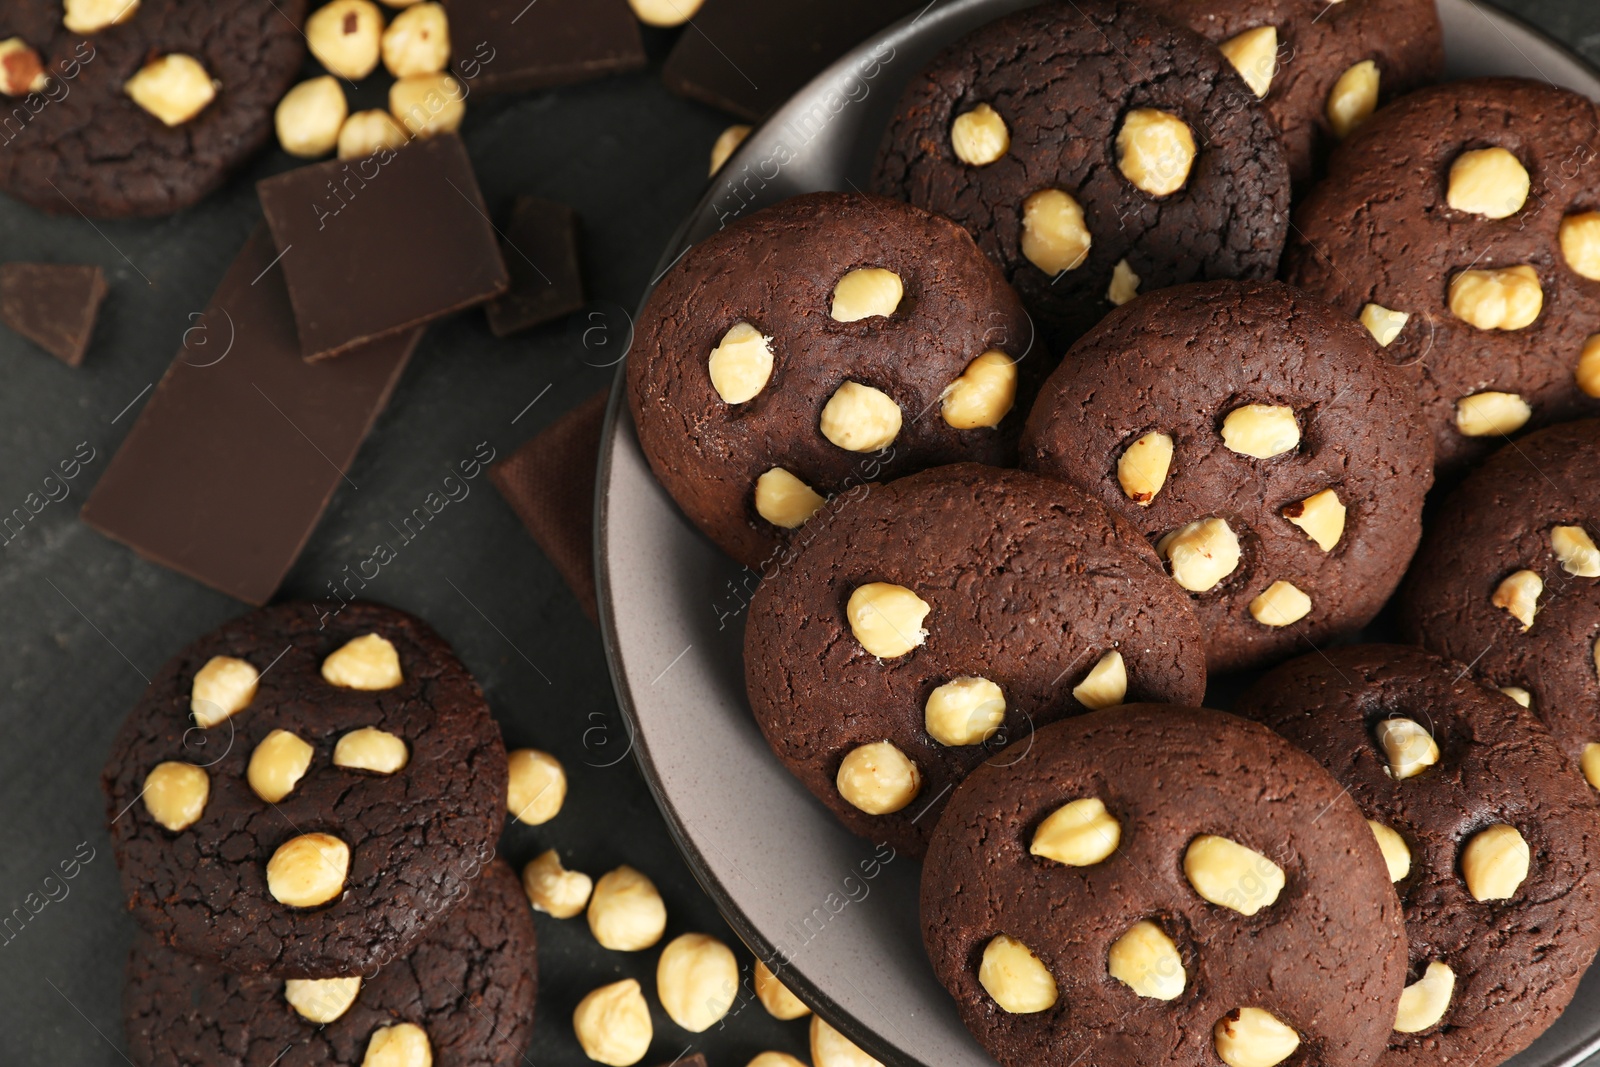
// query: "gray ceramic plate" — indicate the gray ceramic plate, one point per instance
point(840, 914)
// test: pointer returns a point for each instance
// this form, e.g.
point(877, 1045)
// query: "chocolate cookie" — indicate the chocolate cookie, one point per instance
point(1156, 884)
point(1460, 224)
point(1321, 68)
point(929, 621)
point(832, 340)
point(1261, 442)
point(1490, 839)
point(304, 793)
point(468, 987)
point(1095, 151)
point(1508, 580)
point(80, 143)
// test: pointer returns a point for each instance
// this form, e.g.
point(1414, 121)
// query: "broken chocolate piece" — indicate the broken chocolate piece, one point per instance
point(500, 46)
point(540, 247)
point(54, 305)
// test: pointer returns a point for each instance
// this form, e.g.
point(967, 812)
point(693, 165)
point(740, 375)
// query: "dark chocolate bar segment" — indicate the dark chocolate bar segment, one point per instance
point(540, 247)
point(501, 46)
point(54, 305)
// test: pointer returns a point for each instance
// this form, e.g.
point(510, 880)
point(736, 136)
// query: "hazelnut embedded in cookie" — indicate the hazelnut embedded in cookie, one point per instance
point(1353, 98)
point(1155, 151)
point(979, 136)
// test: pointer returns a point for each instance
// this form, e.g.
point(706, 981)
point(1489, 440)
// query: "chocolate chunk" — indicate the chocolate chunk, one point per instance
point(502, 46)
point(540, 248)
point(242, 443)
point(53, 305)
point(376, 246)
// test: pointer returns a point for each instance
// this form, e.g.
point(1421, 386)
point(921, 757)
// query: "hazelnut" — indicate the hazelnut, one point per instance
point(865, 293)
point(21, 69)
point(697, 979)
point(277, 764)
point(368, 132)
point(400, 1045)
point(1580, 243)
point(538, 786)
point(1321, 515)
point(1519, 595)
point(878, 778)
point(1383, 324)
point(1519, 694)
point(887, 619)
point(1396, 853)
point(553, 889)
point(1280, 604)
point(613, 1024)
point(774, 1059)
point(1106, 684)
point(417, 41)
point(830, 1048)
point(1503, 298)
point(1495, 862)
point(1409, 748)
point(1261, 431)
point(741, 364)
point(859, 418)
point(1015, 978)
point(1423, 1002)
point(310, 116)
point(92, 16)
point(224, 687)
point(175, 794)
point(1054, 236)
point(1230, 875)
point(727, 141)
point(626, 912)
point(964, 711)
point(1142, 469)
point(1155, 151)
point(1124, 284)
point(1488, 181)
point(983, 395)
point(1490, 413)
point(426, 104)
point(345, 36)
point(1146, 961)
point(1201, 554)
point(1253, 1037)
point(784, 500)
point(664, 12)
point(979, 136)
point(1590, 760)
point(1588, 370)
point(174, 88)
point(308, 870)
point(775, 996)
point(321, 1000)
point(371, 749)
point(1353, 98)
point(367, 662)
point(1080, 833)
point(1254, 54)
point(1576, 550)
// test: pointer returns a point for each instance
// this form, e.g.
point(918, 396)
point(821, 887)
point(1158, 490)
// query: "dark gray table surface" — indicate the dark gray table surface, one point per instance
point(84, 622)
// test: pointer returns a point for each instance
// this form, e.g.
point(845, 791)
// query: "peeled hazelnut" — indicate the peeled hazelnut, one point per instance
point(664, 13)
point(1519, 694)
point(224, 687)
point(984, 393)
point(308, 870)
point(1321, 515)
point(553, 889)
point(174, 88)
point(774, 1059)
point(979, 136)
point(964, 711)
point(1590, 760)
point(310, 116)
point(1423, 1002)
point(865, 293)
point(1146, 961)
point(626, 912)
point(1201, 554)
point(830, 1048)
point(613, 1024)
point(1495, 862)
point(400, 1045)
point(1383, 324)
point(1232, 876)
point(427, 104)
point(726, 143)
point(1353, 99)
point(1280, 604)
point(1142, 469)
point(92, 16)
point(1580, 243)
point(1576, 550)
point(371, 749)
point(538, 786)
point(1251, 1037)
point(368, 132)
point(1254, 54)
point(1080, 833)
point(1261, 431)
point(1106, 684)
point(1488, 181)
point(1396, 853)
point(1519, 594)
point(741, 364)
point(321, 1000)
point(775, 996)
point(697, 979)
point(878, 778)
point(887, 619)
point(1487, 414)
point(21, 69)
point(1409, 748)
point(1124, 284)
point(345, 36)
point(417, 41)
point(1054, 236)
point(175, 794)
point(1588, 370)
point(277, 765)
point(1504, 298)
point(1014, 977)
point(859, 418)
point(1155, 151)
point(367, 662)
point(784, 500)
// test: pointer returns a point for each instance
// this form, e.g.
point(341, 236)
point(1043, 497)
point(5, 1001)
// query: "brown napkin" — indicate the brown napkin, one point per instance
point(549, 483)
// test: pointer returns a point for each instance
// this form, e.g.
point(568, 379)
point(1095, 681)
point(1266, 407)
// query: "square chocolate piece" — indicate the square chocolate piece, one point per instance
point(540, 248)
point(54, 305)
point(378, 246)
point(500, 46)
